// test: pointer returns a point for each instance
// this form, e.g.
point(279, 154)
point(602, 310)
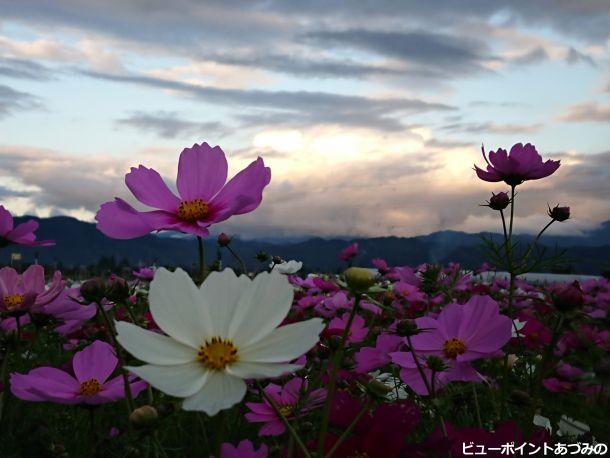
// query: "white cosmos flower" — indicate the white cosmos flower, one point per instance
point(217, 336)
point(288, 268)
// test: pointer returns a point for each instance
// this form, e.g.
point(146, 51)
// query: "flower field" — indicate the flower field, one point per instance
point(379, 361)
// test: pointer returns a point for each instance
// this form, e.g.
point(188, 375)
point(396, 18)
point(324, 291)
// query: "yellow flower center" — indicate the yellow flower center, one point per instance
point(13, 301)
point(193, 210)
point(286, 409)
point(90, 387)
point(217, 353)
point(454, 347)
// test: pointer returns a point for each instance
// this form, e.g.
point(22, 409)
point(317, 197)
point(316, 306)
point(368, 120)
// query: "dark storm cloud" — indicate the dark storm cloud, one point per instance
point(301, 106)
point(12, 100)
point(169, 124)
point(24, 69)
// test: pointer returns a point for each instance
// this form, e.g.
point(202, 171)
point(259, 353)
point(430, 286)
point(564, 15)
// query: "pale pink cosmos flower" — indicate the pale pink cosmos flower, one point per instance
point(521, 164)
point(28, 292)
point(23, 234)
point(89, 384)
point(205, 198)
point(286, 398)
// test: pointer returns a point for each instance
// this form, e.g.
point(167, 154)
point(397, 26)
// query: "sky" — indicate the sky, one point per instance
point(370, 114)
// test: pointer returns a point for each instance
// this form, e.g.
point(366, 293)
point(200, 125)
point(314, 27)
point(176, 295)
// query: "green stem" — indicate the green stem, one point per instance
point(244, 269)
point(220, 430)
point(349, 429)
point(201, 248)
point(336, 362)
point(289, 427)
point(476, 404)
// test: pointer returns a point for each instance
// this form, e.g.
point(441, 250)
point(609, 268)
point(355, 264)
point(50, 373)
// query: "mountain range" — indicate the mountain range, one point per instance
point(79, 244)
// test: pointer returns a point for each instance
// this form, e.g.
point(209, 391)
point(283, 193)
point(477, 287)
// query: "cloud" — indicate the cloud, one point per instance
point(305, 107)
point(12, 100)
point(491, 127)
point(168, 124)
point(24, 69)
point(533, 56)
point(586, 112)
point(576, 57)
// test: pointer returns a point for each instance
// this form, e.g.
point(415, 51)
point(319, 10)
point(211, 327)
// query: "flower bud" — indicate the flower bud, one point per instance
point(436, 364)
point(117, 289)
point(261, 256)
point(498, 201)
point(569, 297)
point(520, 398)
point(359, 278)
point(93, 290)
point(144, 416)
point(277, 260)
point(559, 213)
point(223, 239)
point(407, 328)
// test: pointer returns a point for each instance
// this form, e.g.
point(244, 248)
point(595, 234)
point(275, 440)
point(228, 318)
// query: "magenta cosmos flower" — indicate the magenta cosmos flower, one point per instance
point(89, 384)
point(521, 164)
point(23, 234)
point(286, 398)
point(349, 253)
point(245, 449)
point(204, 198)
point(28, 292)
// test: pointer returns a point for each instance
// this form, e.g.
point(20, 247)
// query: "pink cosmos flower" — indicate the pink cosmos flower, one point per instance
point(71, 311)
point(145, 273)
point(286, 398)
point(245, 449)
point(357, 331)
point(23, 234)
point(521, 164)
point(349, 253)
point(205, 197)
point(27, 292)
point(89, 384)
point(369, 358)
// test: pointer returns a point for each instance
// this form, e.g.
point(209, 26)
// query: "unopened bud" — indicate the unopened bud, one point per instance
point(407, 328)
point(498, 201)
point(144, 416)
point(277, 260)
point(359, 278)
point(436, 364)
point(520, 398)
point(569, 297)
point(93, 290)
point(261, 256)
point(117, 289)
point(223, 239)
point(559, 213)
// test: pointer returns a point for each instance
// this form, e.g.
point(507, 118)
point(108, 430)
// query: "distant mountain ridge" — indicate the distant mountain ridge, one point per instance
point(80, 244)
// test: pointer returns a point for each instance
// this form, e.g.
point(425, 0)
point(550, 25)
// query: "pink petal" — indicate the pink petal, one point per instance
point(120, 220)
point(33, 279)
point(150, 189)
point(202, 170)
point(6, 221)
point(94, 361)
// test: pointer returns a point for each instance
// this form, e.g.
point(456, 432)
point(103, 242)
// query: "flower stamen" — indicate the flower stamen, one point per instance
point(454, 347)
point(217, 353)
point(13, 301)
point(193, 210)
point(90, 387)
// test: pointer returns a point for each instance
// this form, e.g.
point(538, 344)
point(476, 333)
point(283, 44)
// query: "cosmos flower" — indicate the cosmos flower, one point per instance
point(349, 253)
point(287, 267)
point(205, 198)
point(521, 164)
point(28, 292)
point(245, 449)
point(357, 331)
point(145, 273)
point(89, 384)
point(286, 397)
point(369, 358)
point(217, 336)
point(23, 234)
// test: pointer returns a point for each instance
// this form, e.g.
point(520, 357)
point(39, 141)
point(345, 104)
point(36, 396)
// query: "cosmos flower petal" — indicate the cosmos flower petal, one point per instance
point(6, 221)
point(150, 189)
point(284, 343)
point(246, 370)
point(180, 380)
point(202, 171)
point(120, 220)
point(262, 309)
point(152, 347)
point(221, 391)
point(94, 361)
point(223, 291)
point(178, 309)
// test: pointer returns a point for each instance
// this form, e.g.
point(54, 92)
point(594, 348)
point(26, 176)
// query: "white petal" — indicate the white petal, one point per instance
point(177, 307)
point(285, 343)
point(152, 347)
point(181, 380)
point(221, 391)
point(222, 291)
point(243, 369)
point(261, 309)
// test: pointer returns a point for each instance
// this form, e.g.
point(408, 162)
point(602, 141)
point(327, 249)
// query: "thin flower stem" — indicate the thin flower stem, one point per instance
point(221, 418)
point(349, 429)
point(244, 269)
point(119, 354)
point(476, 404)
point(201, 247)
point(336, 362)
point(289, 427)
point(504, 226)
point(418, 365)
point(4, 380)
